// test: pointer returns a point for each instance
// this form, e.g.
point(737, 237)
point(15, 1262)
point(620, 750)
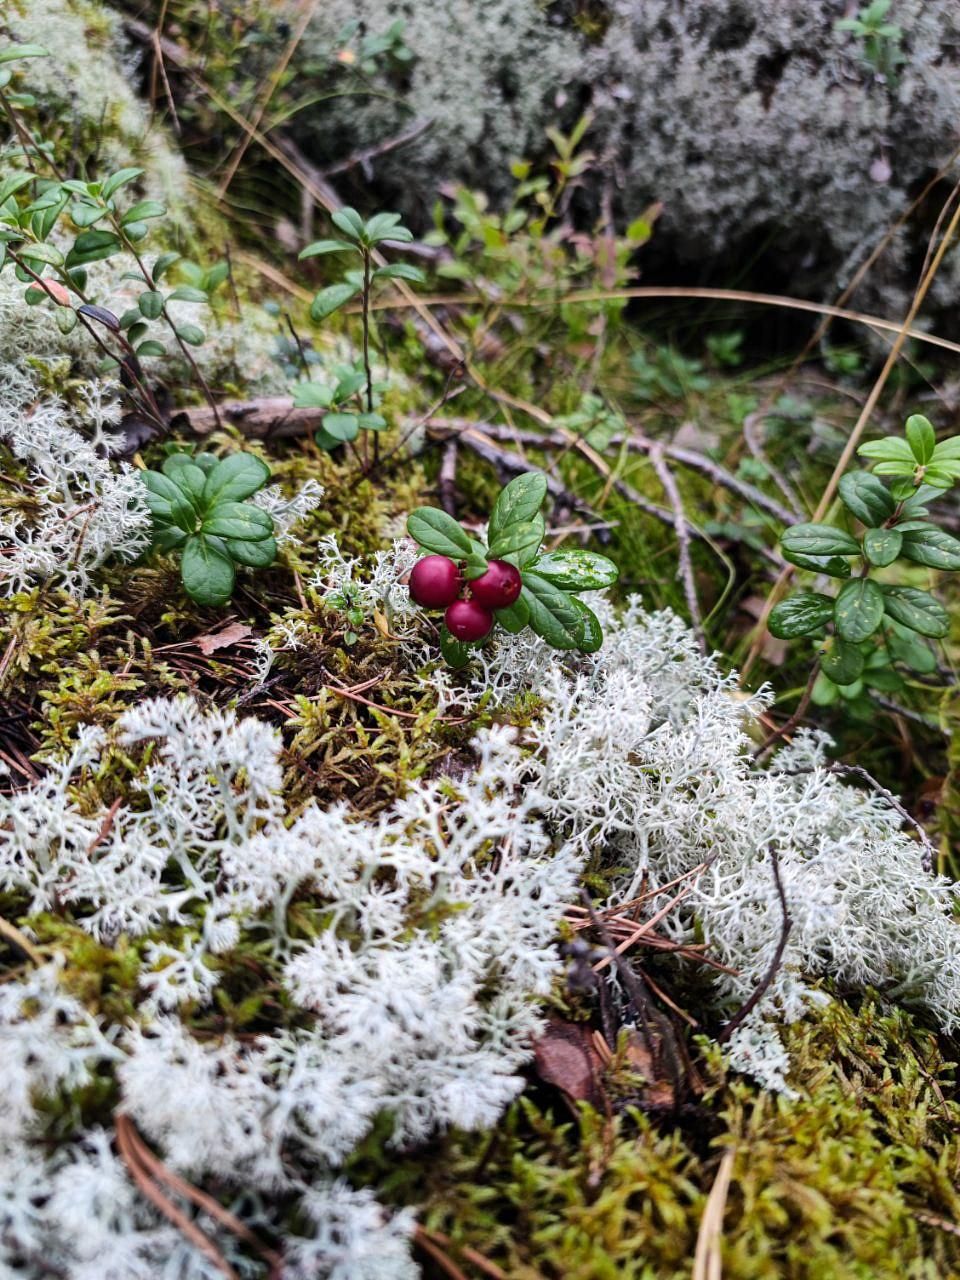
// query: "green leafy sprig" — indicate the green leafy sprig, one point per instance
point(871, 624)
point(358, 241)
point(198, 506)
point(549, 601)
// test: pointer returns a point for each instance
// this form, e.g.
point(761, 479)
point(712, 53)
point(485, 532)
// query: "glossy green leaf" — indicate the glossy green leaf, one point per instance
point(151, 304)
point(142, 212)
point(208, 573)
point(192, 334)
point(45, 253)
point(238, 520)
point(841, 660)
point(455, 652)
point(93, 246)
point(891, 449)
point(118, 180)
point(311, 395)
point(234, 478)
point(917, 610)
point(592, 638)
point(882, 546)
point(400, 271)
point(911, 652)
point(932, 547)
point(817, 540)
point(921, 438)
point(151, 348)
point(167, 500)
point(328, 300)
point(348, 221)
point(341, 427)
point(553, 615)
point(867, 497)
point(14, 52)
point(255, 554)
point(858, 610)
point(327, 246)
point(517, 539)
point(832, 566)
point(518, 502)
point(576, 570)
point(515, 617)
point(824, 692)
point(436, 531)
point(800, 615)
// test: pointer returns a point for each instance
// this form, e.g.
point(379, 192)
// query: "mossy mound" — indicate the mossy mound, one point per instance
point(854, 1178)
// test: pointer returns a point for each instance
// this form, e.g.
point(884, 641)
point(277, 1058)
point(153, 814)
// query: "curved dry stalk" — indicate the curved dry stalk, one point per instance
point(682, 528)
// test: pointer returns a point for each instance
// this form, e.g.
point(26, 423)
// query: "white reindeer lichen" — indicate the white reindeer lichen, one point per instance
point(429, 934)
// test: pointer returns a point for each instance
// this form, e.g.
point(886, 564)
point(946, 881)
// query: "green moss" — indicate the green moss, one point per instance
point(832, 1185)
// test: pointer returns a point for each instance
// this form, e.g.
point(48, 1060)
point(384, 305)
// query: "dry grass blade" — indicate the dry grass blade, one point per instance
point(20, 940)
point(707, 1261)
point(682, 528)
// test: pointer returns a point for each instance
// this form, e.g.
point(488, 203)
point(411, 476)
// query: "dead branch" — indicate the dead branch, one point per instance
point(763, 986)
point(858, 771)
point(682, 527)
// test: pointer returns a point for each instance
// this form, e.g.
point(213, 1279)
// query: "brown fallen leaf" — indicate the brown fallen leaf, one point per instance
point(565, 1056)
point(211, 641)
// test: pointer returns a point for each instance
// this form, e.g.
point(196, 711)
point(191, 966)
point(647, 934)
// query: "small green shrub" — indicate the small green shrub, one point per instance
point(872, 625)
point(198, 505)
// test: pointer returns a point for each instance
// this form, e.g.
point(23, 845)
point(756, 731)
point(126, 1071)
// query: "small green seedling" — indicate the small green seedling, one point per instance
point(872, 624)
point(359, 241)
point(507, 582)
point(198, 504)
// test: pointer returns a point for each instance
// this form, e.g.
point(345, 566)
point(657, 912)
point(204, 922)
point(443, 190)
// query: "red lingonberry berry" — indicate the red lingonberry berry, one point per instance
point(467, 620)
point(435, 581)
point(498, 587)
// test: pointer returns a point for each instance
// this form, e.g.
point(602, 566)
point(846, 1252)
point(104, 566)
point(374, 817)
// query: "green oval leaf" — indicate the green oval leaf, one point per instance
point(438, 532)
point(328, 300)
point(553, 615)
point(892, 449)
point(520, 539)
point(238, 520)
point(255, 554)
point(818, 540)
point(921, 438)
point(208, 573)
point(592, 638)
point(234, 478)
point(841, 660)
point(858, 610)
point(917, 610)
point(882, 546)
point(151, 304)
point(912, 653)
point(832, 566)
point(933, 548)
point(456, 654)
point(577, 570)
point(515, 617)
point(342, 427)
point(867, 497)
point(800, 615)
point(167, 501)
point(518, 502)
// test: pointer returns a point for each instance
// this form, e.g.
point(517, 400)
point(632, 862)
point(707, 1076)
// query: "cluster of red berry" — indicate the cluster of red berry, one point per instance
point(437, 582)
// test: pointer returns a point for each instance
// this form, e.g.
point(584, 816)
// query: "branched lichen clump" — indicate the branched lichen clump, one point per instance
point(76, 509)
point(398, 957)
point(405, 952)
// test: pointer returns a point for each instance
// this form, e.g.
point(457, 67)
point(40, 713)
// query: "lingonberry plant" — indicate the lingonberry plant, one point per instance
point(197, 503)
point(360, 240)
point(506, 581)
point(876, 621)
point(53, 227)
